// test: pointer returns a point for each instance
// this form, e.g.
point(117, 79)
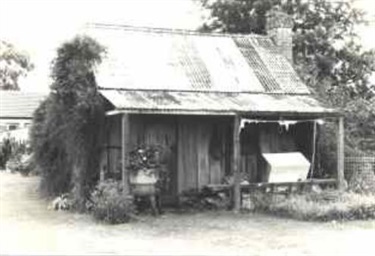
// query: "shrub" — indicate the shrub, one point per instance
point(205, 199)
point(5, 152)
point(325, 206)
point(109, 204)
point(49, 155)
point(11, 150)
point(21, 164)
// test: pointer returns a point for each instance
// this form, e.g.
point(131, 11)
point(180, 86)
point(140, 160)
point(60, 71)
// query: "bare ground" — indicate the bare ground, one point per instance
point(27, 227)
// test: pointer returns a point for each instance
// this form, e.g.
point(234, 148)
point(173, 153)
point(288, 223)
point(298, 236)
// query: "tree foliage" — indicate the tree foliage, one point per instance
point(13, 65)
point(324, 39)
point(326, 53)
point(68, 124)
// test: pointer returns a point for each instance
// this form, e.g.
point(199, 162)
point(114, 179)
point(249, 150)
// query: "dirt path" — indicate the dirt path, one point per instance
point(27, 227)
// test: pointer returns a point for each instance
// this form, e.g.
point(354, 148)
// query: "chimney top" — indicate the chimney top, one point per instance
point(279, 28)
point(278, 19)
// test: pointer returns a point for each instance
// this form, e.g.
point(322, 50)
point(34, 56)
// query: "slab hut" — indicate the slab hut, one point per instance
point(197, 95)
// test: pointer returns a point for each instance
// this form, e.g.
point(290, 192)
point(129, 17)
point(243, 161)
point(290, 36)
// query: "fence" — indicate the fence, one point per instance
point(20, 135)
point(356, 163)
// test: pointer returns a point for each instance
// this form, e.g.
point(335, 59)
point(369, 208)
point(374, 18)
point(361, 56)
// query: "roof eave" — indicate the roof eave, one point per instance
point(16, 117)
point(281, 114)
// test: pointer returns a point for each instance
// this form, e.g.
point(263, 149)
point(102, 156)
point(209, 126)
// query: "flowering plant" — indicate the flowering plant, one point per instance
point(146, 158)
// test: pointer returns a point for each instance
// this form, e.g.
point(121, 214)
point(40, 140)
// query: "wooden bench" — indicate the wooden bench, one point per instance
point(285, 188)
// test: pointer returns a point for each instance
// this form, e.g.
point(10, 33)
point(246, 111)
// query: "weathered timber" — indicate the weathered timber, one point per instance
point(236, 164)
point(340, 154)
point(124, 151)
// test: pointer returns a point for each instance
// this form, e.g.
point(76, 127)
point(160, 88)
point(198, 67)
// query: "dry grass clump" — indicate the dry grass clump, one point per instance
point(324, 206)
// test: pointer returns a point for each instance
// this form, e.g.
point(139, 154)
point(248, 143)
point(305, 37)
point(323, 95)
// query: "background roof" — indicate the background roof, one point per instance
point(159, 59)
point(17, 104)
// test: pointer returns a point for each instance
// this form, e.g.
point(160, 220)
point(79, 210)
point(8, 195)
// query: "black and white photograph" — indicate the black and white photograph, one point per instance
point(187, 127)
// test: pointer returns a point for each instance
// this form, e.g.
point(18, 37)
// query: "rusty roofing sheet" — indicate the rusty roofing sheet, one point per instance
point(164, 60)
point(212, 102)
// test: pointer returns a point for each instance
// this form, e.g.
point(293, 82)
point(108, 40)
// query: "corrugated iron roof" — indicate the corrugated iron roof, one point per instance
point(152, 59)
point(175, 102)
point(163, 71)
point(17, 104)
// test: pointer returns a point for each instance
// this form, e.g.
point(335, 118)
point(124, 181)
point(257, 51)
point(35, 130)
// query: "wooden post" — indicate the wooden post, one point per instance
point(236, 165)
point(313, 150)
point(101, 177)
point(124, 151)
point(340, 154)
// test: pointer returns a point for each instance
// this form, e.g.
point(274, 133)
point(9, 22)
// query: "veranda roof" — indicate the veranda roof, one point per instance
point(214, 103)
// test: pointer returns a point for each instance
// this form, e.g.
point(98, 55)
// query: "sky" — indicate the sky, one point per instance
point(38, 27)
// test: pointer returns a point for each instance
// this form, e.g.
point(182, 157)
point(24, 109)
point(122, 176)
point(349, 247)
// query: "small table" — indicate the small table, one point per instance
point(149, 191)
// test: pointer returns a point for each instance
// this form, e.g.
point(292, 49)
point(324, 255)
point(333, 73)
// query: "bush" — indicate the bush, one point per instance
point(11, 150)
point(325, 206)
point(5, 152)
point(21, 164)
point(204, 200)
point(108, 203)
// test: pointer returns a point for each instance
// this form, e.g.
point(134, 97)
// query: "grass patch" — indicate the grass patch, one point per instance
point(324, 206)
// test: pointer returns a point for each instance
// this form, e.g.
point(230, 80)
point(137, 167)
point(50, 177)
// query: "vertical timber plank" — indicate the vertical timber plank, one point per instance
point(313, 150)
point(217, 165)
point(187, 154)
point(340, 154)
point(124, 150)
point(203, 155)
point(180, 157)
point(236, 165)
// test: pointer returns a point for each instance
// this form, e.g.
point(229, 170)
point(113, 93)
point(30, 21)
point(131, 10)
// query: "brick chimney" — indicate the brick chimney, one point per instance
point(279, 27)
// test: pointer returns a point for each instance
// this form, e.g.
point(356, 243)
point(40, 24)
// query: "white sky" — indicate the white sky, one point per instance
point(40, 26)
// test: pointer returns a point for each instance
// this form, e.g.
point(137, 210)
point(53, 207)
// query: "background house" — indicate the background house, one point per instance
point(16, 112)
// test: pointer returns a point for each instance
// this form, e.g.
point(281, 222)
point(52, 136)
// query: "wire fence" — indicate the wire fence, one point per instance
point(355, 164)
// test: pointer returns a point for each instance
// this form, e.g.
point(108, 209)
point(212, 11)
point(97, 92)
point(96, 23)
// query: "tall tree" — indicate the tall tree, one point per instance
point(13, 65)
point(66, 130)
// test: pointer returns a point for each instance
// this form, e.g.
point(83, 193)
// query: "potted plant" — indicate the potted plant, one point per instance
point(144, 167)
